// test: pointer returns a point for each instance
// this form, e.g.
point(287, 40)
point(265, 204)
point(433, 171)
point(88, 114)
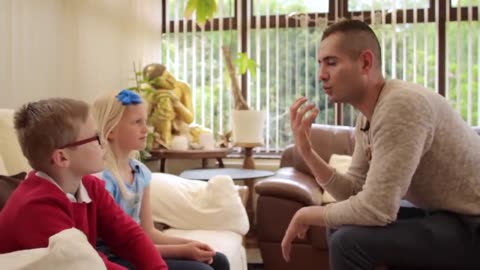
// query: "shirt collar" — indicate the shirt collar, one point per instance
point(82, 194)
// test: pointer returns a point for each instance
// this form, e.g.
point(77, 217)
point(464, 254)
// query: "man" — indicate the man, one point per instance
point(410, 144)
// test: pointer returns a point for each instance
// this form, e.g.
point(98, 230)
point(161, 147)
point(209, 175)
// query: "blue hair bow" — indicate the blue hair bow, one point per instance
point(128, 97)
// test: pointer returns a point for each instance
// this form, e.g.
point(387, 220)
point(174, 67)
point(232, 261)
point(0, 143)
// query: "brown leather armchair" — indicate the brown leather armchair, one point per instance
point(290, 189)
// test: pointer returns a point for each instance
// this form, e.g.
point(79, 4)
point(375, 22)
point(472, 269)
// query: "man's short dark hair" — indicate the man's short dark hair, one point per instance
point(358, 37)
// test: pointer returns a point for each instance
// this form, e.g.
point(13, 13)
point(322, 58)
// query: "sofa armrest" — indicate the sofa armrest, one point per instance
point(288, 183)
point(280, 197)
point(286, 159)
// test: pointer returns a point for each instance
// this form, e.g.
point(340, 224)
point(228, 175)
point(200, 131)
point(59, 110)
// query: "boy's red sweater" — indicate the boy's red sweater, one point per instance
point(38, 209)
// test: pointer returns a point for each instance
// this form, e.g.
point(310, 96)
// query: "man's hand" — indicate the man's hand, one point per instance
point(296, 228)
point(199, 252)
point(301, 221)
point(301, 122)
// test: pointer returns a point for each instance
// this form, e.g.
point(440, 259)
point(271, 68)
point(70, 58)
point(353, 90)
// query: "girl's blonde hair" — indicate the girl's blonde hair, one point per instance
point(108, 111)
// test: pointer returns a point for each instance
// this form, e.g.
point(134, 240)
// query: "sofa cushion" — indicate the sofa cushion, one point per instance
point(212, 205)
point(341, 164)
point(226, 242)
point(327, 140)
point(68, 249)
point(10, 149)
point(7, 185)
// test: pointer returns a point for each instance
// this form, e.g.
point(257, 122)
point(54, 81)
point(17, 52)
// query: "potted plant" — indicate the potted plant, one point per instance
point(248, 124)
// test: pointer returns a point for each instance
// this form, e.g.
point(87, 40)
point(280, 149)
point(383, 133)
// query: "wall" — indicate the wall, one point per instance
point(65, 48)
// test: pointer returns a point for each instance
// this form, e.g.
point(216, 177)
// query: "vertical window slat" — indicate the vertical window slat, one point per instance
point(220, 69)
point(425, 49)
point(258, 58)
point(469, 65)
point(267, 79)
point(277, 81)
point(394, 41)
point(459, 63)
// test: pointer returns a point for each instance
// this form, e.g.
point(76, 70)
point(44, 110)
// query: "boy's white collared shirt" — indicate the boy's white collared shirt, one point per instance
point(82, 194)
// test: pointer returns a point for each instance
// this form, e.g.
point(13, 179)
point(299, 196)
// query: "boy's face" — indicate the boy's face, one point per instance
point(89, 157)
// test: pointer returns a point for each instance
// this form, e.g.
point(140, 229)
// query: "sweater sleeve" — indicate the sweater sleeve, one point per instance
point(342, 186)
point(402, 131)
point(40, 219)
point(123, 235)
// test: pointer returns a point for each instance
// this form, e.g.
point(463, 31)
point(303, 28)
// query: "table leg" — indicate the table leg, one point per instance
point(204, 163)
point(248, 162)
point(251, 237)
point(250, 212)
point(220, 163)
point(162, 165)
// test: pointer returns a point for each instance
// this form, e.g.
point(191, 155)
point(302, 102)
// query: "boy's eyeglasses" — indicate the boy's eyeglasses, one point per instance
point(77, 143)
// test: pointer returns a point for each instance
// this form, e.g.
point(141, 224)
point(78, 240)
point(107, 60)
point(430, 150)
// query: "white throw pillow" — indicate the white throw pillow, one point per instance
point(341, 164)
point(10, 149)
point(197, 205)
point(68, 249)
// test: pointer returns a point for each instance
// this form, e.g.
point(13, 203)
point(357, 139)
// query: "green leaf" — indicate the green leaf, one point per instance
point(252, 67)
point(205, 10)
point(244, 63)
point(191, 6)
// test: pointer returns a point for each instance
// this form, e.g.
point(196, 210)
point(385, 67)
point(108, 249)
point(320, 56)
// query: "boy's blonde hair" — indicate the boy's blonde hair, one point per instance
point(46, 125)
point(108, 112)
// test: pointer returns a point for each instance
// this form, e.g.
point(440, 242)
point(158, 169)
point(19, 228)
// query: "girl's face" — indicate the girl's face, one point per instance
point(131, 132)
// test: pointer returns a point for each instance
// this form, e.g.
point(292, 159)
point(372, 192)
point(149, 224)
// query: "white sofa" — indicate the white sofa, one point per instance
point(187, 198)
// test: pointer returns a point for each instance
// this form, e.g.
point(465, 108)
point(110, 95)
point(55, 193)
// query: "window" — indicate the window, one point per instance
point(176, 9)
point(264, 7)
point(359, 5)
point(465, 3)
point(436, 45)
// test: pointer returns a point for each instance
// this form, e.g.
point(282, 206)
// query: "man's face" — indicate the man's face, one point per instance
point(340, 74)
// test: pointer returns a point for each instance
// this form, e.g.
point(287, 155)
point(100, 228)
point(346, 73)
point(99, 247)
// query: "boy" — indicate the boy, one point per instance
point(60, 141)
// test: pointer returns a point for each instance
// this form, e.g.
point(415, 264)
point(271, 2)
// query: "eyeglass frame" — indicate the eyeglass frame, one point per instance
point(84, 141)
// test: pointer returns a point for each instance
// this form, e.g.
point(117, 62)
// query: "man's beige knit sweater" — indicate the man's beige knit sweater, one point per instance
point(421, 150)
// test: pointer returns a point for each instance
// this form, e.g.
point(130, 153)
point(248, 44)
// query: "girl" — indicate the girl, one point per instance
point(122, 123)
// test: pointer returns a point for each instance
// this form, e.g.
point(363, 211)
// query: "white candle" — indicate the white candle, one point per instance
point(207, 141)
point(179, 143)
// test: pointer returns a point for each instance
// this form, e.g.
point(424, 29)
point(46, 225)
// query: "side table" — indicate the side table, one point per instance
point(204, 155)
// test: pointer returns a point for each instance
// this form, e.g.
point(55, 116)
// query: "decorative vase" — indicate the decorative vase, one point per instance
point(247, 127)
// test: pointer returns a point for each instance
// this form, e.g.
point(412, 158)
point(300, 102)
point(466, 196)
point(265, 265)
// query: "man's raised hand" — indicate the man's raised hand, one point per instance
point(301, 119)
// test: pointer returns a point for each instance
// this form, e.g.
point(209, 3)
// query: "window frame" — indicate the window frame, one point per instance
point(337, 9)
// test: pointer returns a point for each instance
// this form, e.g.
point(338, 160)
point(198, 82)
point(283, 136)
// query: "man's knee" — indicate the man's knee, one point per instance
point(348, 237)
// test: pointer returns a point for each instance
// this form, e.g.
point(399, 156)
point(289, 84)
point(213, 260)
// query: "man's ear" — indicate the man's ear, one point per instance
point(367, 57)
point(60, 158)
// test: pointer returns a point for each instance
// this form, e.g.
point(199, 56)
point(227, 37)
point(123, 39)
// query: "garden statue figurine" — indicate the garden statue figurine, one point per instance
point(171, 110)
